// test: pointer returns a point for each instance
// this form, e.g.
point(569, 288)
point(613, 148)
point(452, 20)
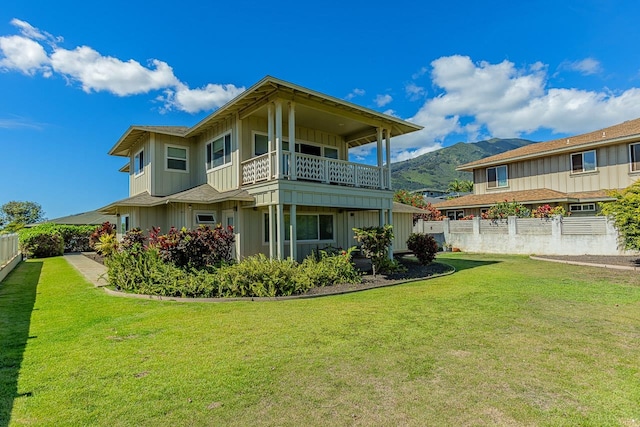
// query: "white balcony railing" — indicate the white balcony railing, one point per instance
point(312, 168)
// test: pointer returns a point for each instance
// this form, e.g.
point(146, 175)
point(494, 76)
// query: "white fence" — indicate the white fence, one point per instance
point(9, 254)
point(550, 236)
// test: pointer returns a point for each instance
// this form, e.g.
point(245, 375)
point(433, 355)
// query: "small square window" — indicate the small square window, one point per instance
point(634, 157)
point(205, 218)
point(583, 162)
point(497, 177)
point(219, 152)
point(138, 163)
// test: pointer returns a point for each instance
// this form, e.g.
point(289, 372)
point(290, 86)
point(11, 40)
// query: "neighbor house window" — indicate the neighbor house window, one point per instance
point(454, 215)
point(205, 218)
point(309, 227)
point(584, 207)
point(138, 163)
point(219, 152)
point(634, 156)
point(583, 162)
point(177, 158)
point(497, 177)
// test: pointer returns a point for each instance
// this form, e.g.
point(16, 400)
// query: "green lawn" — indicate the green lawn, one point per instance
point(504, 341)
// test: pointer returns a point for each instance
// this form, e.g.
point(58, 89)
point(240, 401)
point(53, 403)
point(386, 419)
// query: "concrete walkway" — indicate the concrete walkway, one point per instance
point(94, 272)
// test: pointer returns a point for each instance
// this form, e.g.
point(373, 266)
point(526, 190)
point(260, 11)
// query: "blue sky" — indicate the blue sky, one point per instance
point(75, 75)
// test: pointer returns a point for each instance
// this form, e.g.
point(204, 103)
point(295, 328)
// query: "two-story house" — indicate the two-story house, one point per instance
point(574, 172)
point(274, 163)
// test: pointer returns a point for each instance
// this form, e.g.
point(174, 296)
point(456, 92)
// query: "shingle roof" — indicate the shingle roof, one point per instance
point(543, 195)
point(204, 193)
point(85, 218)
point(627, 130)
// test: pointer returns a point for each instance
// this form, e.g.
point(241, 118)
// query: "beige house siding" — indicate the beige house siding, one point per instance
point(166, 182)
point(141, 183)
point(554, 172)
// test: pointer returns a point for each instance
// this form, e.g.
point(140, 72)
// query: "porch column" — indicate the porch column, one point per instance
point(388, 151)
point(270, 138)
point(272, 234)
point(292, 233)
point(381, 218)
point(390, 222)
point(280, 230)
point(292, 141)
point(237, 149)
point(379, 150)
point(279, 167)
point(238, 229)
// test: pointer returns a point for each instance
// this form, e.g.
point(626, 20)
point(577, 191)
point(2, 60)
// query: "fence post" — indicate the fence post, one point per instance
point(476, 225)
point(512, 224)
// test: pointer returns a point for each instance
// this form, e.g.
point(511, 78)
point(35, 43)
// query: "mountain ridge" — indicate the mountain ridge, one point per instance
point(436, 169)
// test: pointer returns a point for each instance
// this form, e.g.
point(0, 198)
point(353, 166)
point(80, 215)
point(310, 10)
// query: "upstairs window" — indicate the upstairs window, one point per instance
point(634, 157)
point(177, 158)
point(219, 152)
point(583, 162)
point(497, 177)
point(138, 163)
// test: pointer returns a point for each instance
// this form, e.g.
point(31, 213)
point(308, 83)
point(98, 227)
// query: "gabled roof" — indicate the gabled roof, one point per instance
point(358, 125)
point(623, 132)
point(135, 132)
point(204, 194)
point(543, 195)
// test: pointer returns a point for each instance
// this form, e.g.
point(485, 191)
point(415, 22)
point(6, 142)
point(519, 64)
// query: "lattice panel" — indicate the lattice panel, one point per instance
point(368, 176)
point(341, 173)
point(311, 168)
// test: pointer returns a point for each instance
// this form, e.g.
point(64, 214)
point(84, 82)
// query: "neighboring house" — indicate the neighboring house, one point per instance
point(85, 218)
point(574, 172)
point(274, 163)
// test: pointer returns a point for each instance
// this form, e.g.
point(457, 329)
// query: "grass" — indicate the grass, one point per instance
point(504, 341)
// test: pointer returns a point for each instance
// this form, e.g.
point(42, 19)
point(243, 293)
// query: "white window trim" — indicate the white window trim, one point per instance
point(584, 207)
point(506, 169)
point(581, 153)
point(166, 158)
point(197, 213)
point(631, 160)
point(135, 161)
point(210, 142)
point(298, 241)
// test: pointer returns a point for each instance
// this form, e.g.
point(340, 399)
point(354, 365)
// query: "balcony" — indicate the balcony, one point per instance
point(313, 168)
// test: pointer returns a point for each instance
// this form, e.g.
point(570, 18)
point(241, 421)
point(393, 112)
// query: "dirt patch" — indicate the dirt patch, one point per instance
point(621, 260)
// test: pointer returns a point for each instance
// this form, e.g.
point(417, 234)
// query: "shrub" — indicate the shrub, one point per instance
point(107, 245)
point(329, 268)
point(423, 246)
point(546, 211)
point(105, 228)
point(505, 209)
point(199, 248)
point(375, 245)
point(75, 237)
point(133, 241)
point(41, 243)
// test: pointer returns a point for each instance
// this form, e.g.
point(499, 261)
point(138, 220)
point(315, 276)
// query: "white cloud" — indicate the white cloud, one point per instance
point(24, 55)
point(37, 51)
point(104, 73)
point(483, 100)
point(403, 155)
point(201, 99)
point(382, 100)
point(414, 91)
point(354, 93)
point(587, 66)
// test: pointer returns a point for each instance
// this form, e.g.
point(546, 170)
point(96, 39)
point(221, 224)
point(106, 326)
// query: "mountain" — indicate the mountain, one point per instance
point(435, 170)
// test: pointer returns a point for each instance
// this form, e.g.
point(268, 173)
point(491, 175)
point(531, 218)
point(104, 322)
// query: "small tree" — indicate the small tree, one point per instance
point(417, 201)
point(423, 246)
point(15, 215)
point(625, 214)
point(375, 244)
point(505, 209)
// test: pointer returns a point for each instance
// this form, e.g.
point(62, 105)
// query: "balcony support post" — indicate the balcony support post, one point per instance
point(270, 136)
point(279, 158)
point(388, 152)
point(272, 234)
point(379, 152)
point(292, 142)
point(292, 231)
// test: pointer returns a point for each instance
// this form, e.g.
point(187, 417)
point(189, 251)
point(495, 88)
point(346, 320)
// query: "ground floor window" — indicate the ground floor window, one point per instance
point(309, 227)
point(205, 218)
point(124, 224)
point(583, 207)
